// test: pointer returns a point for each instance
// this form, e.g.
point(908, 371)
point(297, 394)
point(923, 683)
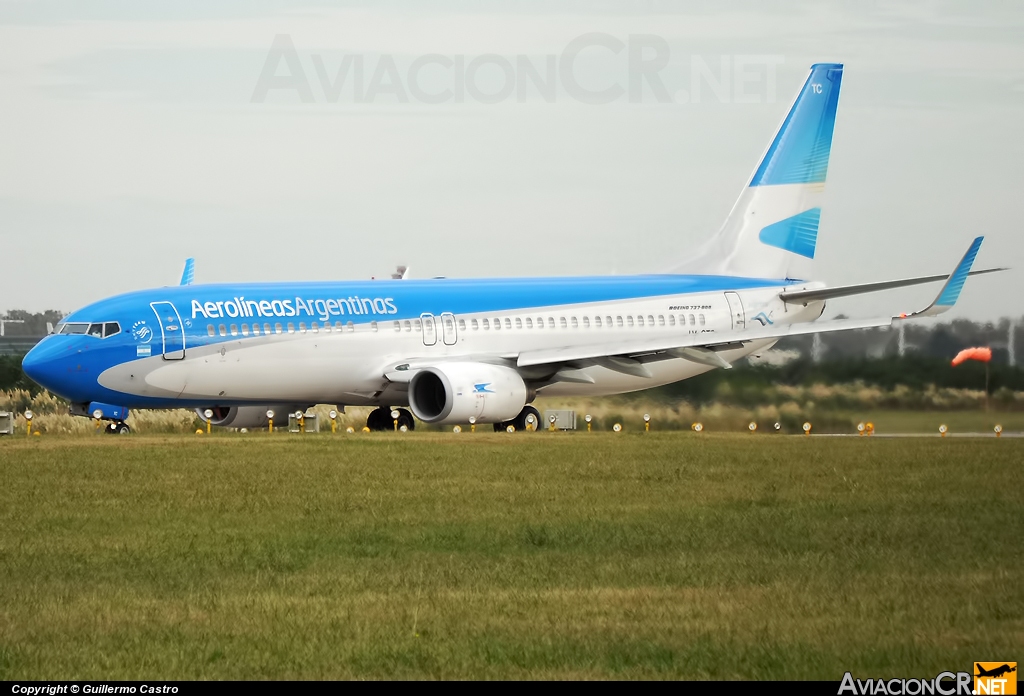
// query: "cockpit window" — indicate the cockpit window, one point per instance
point(99, 330)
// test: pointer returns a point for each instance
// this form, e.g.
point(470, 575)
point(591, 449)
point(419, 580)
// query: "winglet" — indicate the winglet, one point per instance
point(954, 284)
point(188, 273)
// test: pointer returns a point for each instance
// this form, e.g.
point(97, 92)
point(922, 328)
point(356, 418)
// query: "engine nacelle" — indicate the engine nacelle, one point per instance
point(247, 416)
point(452, 392)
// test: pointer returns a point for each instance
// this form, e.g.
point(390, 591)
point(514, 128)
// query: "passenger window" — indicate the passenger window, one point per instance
point(266, 329)
point(671, 319)
point(327, 327)
point(223, 330)
point(337, 326)
point(608, 321)
point(255, 329)
point(508, 323)
point(563, 322)
point(618, 322)
point(302, 327)
point(314, 327)
point(291, 327)
point(210, 330)
point(702, 320)
point(640, 320)
point(529, 322)
point(597, 322)
point(278, 328)
point(398, 326)
point(408, 325)
point(111, 328)
point(234, 329)
point(485, 324)
point(245, 329)
point(586, 322)
point(96, 330)
point(462, 324)
point(416, 324)
point(373, 326)
point(351, 327)
point(692, 322)
point(575, 323)
point(497, 324)
point(519, 323)
point(629, 320)
point(551, 322)
point(475, 324)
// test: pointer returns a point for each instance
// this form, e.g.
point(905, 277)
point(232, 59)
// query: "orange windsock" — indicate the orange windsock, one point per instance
point(981, 354)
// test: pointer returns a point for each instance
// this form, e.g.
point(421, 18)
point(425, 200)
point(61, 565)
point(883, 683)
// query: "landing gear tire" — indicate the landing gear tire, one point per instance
point(380, 420)
point(118, 428)
point(519, 422)
point(405, 418)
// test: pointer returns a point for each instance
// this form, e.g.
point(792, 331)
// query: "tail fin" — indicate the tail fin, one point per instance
point(188, 273)
point(772, 229)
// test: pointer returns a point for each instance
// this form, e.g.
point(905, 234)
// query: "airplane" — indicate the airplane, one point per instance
point(452, 351)
point(995, 671)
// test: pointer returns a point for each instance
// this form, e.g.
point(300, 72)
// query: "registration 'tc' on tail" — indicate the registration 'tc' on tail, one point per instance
point(772, 229)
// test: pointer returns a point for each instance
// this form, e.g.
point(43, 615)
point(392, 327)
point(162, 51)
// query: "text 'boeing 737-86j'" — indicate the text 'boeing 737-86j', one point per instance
point(455, 349)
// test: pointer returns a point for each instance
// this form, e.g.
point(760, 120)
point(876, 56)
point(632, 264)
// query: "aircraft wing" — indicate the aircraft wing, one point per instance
point(697, 347)
point(805, 296)
point(628, 356)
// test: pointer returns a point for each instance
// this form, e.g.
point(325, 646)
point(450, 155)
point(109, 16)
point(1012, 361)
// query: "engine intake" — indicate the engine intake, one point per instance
point(452, 392)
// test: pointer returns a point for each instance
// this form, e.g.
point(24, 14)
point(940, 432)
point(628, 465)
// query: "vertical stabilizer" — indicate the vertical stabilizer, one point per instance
point(772, 230)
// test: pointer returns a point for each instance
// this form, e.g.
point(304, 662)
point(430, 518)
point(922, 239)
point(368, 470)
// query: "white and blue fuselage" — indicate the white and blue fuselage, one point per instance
point(482, 349)
point(193, 346)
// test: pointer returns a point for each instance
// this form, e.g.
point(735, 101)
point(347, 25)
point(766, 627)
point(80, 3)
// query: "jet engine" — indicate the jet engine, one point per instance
point(247, 416)
point(452, 392)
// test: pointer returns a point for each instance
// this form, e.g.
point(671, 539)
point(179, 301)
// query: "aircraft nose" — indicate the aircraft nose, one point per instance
point(40, 364)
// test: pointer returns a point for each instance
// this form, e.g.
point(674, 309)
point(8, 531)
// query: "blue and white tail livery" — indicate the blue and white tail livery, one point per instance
point(453, 350)
point(772, 230)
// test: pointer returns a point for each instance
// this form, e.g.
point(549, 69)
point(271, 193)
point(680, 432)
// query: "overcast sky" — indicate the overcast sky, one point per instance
point(136, 134)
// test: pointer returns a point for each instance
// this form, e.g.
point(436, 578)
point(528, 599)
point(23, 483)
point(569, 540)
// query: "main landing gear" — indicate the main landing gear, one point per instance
point(117, 428)
point(380, 419)
point(519, 422)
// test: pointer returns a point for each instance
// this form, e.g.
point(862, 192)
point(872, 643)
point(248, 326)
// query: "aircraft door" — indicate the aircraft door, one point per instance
point(171, 330)
point(429, 329)
point(739, 318)
point(448, 331)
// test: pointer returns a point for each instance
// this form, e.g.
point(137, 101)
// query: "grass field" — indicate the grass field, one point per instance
point(487, 555)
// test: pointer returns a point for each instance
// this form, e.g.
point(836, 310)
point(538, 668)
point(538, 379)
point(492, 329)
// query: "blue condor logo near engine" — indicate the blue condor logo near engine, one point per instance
point(322, 309)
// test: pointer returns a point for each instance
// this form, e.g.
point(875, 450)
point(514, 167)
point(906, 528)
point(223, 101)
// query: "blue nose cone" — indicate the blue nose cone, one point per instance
point(46, 363)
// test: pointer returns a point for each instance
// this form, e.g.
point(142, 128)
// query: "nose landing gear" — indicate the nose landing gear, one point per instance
point(117, 428)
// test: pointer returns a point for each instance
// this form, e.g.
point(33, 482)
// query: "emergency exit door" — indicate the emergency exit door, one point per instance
point(739, 318)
